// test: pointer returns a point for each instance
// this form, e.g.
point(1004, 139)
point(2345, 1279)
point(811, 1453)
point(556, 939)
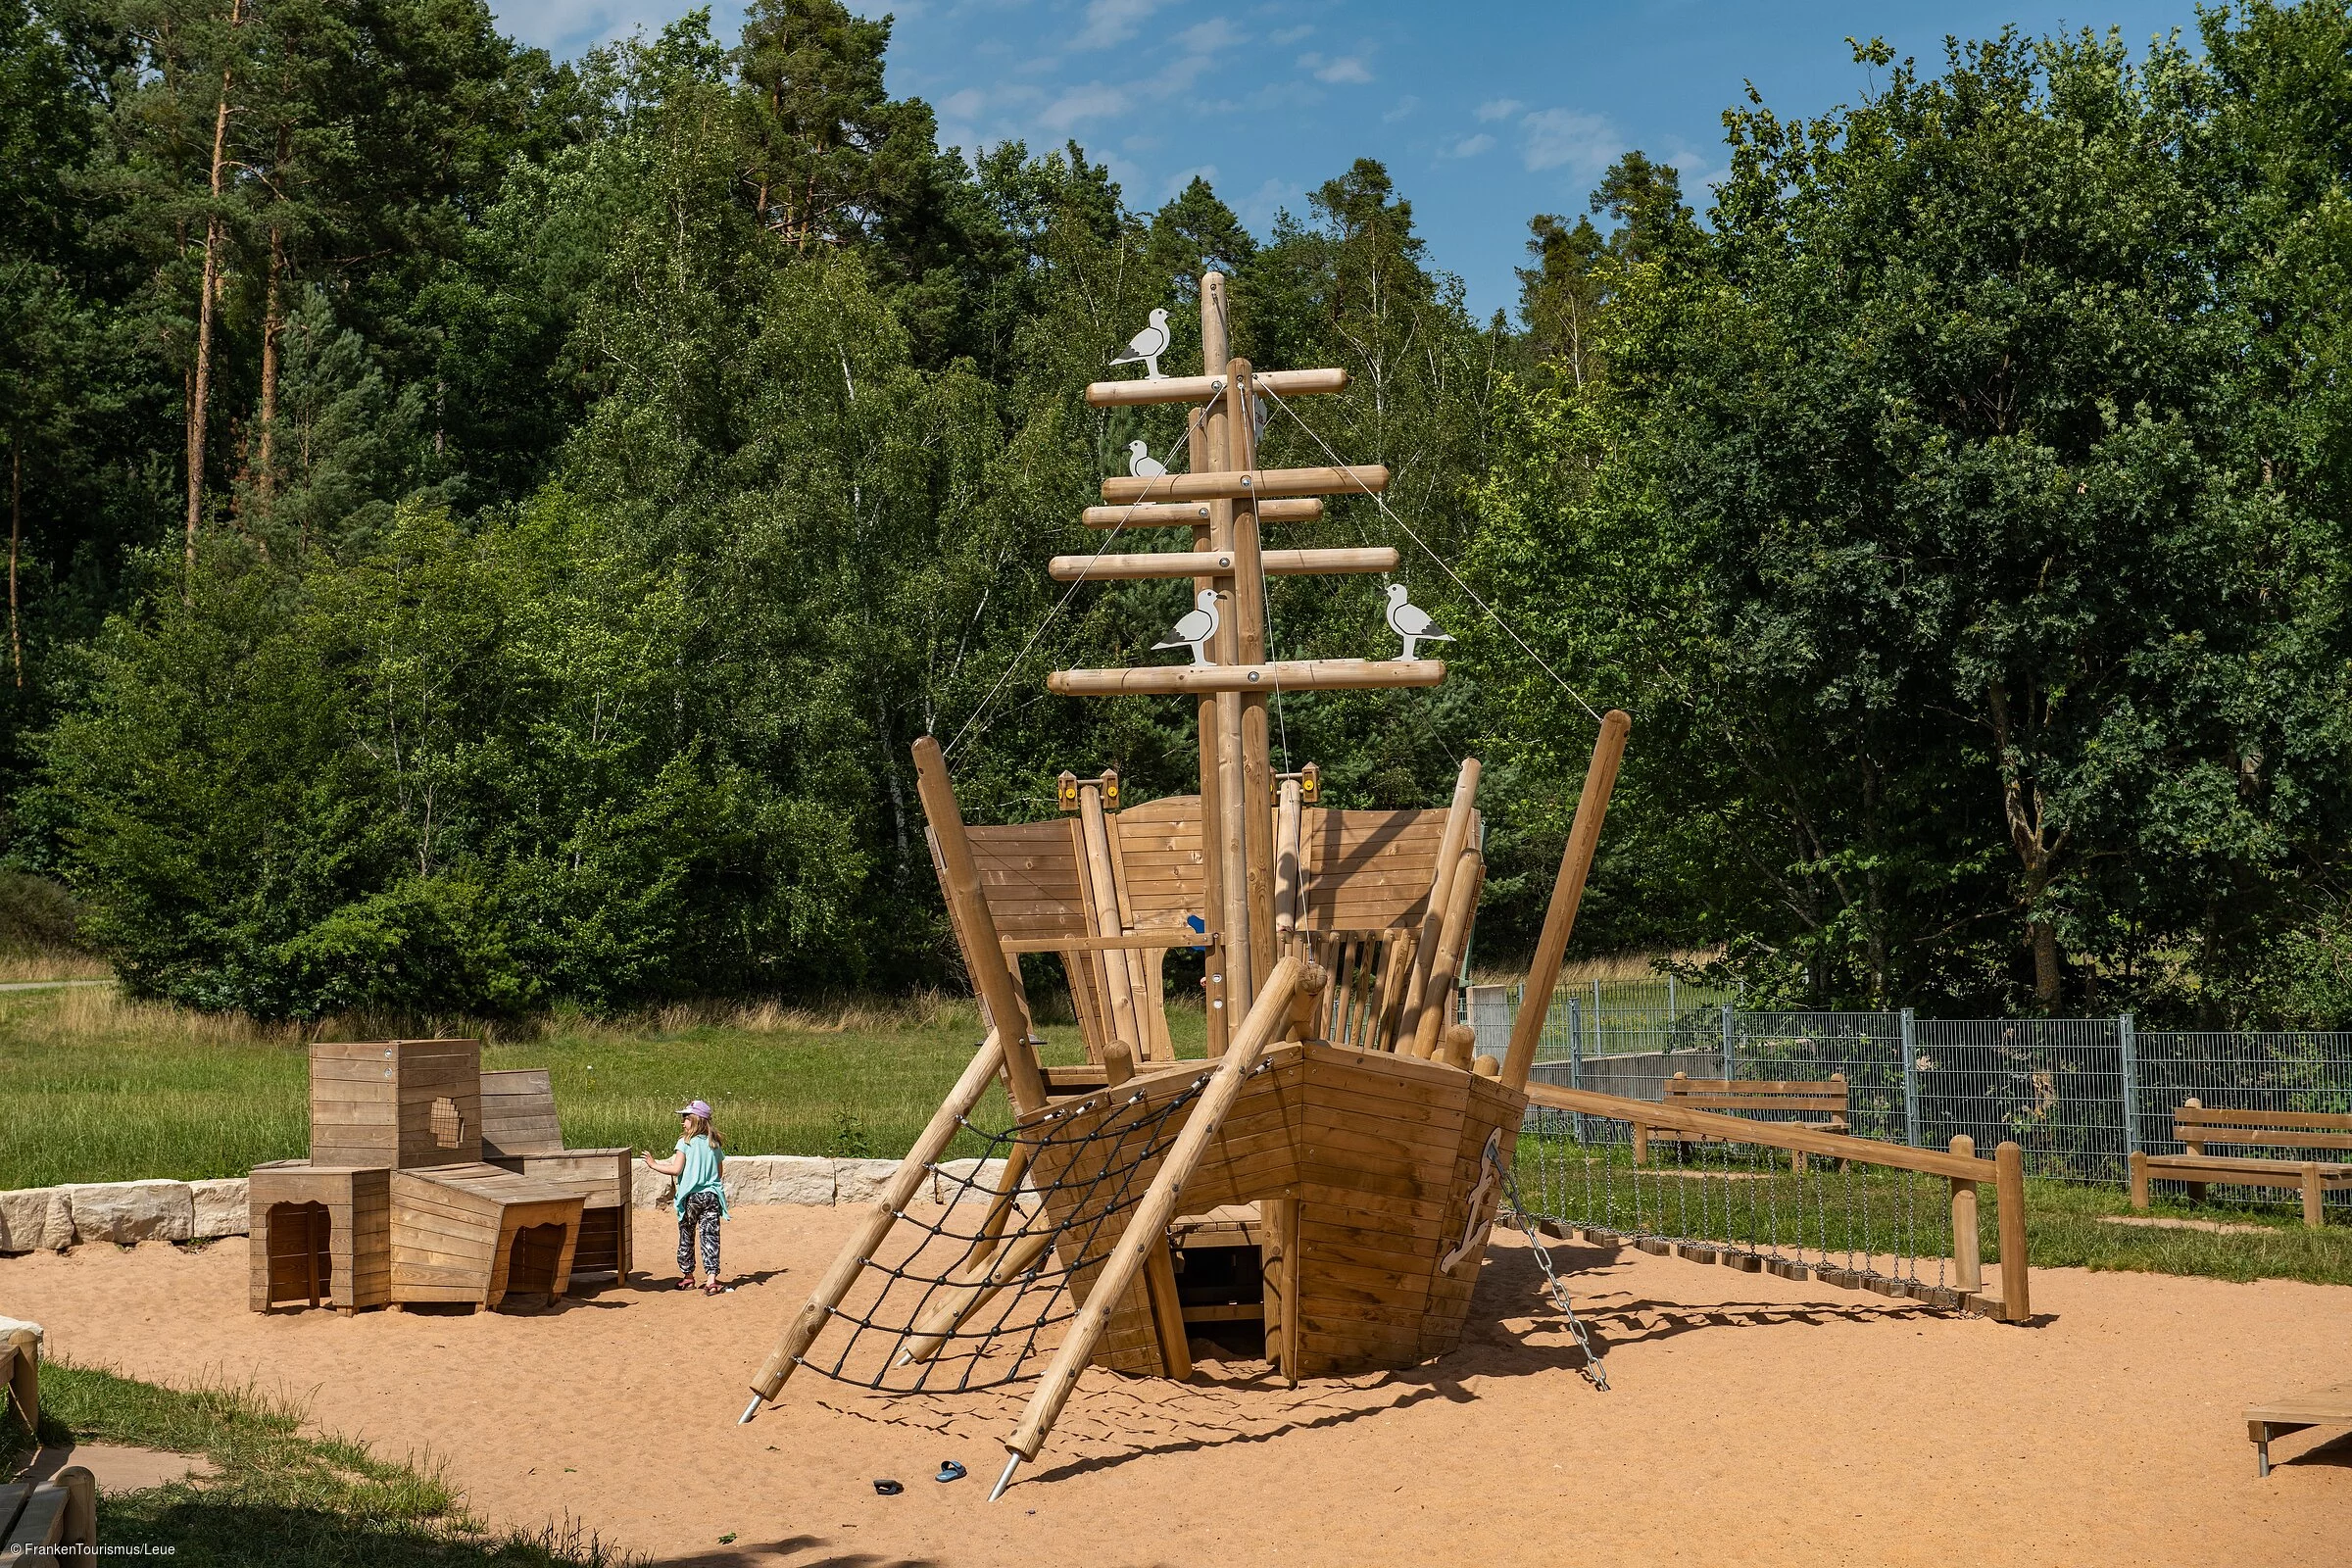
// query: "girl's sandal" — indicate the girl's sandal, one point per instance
point(714, 1289)
point(685, 1283)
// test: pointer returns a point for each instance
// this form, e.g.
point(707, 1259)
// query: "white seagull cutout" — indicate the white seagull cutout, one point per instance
point(1141, 464)
point(1147, 346)
point(1194, 627)
point(1411, 621)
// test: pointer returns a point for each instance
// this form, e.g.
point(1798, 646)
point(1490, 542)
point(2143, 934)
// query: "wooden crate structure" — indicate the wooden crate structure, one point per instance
point(319, 1236)
point(405, 1104)
point(476, 1234)
point(519, 1133)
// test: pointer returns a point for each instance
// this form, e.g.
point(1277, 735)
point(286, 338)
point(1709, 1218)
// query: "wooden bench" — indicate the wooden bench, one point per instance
point(1825, 1103)
point(2197, 1125)
point(38, 1517)
point(2321, 1407)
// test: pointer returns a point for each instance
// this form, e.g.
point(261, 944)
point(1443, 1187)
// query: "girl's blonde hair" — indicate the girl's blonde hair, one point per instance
point(701, 1126)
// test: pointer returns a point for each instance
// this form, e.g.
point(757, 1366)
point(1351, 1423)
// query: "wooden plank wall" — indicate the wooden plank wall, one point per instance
point(359, 1206)
point(518, 1113)
point(444, 1240)
point(1370, 869)
point(372, 1102)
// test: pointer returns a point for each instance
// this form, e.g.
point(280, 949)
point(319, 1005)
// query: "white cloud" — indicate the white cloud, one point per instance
point(1095, 100)
point(1258, 208)
point(1405, 105)
point(1210, 36)
point(1347, 69)
point(1469, 146)
point(1289, 35)
point(1494, 108)
point(962, 105)
point(1112, 22)
point(1569, 139)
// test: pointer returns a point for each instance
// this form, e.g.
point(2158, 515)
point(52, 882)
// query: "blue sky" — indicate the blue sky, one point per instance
point(1485, 114)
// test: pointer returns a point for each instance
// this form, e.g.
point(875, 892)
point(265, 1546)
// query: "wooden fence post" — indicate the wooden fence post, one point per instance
point(1968, 1267)
point(2009, 1193)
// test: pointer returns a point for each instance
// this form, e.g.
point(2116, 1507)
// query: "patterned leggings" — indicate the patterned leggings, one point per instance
point(701, 1215)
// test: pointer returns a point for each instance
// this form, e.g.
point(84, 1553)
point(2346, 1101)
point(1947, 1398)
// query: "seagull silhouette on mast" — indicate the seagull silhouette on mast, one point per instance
point(1147, 346)
point(1194, 627)
point(1411, 621)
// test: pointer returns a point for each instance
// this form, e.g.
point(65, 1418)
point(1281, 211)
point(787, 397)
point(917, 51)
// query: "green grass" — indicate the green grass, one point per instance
point(99, 1089)
point(279, 1497)
point(1884, 1212)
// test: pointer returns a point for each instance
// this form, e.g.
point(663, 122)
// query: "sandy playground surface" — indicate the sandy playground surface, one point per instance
point(1752, 1420)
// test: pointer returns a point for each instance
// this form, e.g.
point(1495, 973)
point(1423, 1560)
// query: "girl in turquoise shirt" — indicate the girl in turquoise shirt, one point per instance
point(702, 1200)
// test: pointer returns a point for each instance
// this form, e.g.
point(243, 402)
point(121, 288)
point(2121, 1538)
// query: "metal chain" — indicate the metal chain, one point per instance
point(1593, 1371)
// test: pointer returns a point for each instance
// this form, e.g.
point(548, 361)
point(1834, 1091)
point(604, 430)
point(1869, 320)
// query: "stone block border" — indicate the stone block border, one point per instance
point(36, 1219)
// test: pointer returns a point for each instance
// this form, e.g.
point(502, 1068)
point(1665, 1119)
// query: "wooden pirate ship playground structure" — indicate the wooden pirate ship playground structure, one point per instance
point(1320, 1189)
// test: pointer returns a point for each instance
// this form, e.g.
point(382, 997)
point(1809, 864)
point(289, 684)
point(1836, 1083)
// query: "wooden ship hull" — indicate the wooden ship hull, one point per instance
point(1349, 1168)
point(1348, 1180)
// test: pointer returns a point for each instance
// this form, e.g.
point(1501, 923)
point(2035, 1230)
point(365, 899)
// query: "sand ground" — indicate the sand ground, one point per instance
point(1751, 1420)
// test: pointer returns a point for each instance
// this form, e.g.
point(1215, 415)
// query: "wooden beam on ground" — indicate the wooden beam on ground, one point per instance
point(1000, 992)
point(1559, 920)
point(945, 1122)
point(1209, 562)
point(1178, 514)
point(1200, 388)
point(1285, 675)
point(1355, 480)
point(1148, 1226)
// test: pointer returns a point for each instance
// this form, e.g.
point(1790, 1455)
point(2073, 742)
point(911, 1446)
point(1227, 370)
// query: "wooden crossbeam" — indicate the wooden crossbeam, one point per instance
point(1194, 514)
point(1289, 675)
point(1216, 563)
point(1355, 480)
point(1200, 388)
point(1175, 936)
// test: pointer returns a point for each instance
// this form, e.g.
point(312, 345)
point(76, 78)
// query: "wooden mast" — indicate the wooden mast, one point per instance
point(1208, 456)
point(1250, 628)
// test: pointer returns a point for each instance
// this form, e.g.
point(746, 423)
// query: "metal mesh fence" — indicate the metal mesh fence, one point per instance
point(2078, 1094)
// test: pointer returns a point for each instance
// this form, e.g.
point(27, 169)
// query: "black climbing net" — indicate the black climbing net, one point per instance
point(1006, 1247)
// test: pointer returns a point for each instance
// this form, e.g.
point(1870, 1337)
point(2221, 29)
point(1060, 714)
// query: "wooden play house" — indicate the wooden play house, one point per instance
point(432, 1181)
point(1319, 1191)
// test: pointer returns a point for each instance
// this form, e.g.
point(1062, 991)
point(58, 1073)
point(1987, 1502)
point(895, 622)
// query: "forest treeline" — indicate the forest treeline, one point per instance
point(484, 531)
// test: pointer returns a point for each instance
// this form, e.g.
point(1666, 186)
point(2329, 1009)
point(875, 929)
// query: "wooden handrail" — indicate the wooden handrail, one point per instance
point(1771, 1134)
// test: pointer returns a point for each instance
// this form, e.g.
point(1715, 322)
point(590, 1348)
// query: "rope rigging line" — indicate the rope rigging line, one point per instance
point(1390, 513)
point(1593, 1372)
point(1063, 603)
point(964, 1309)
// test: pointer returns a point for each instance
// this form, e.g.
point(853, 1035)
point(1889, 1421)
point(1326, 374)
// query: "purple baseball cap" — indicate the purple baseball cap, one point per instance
point(696, 1108)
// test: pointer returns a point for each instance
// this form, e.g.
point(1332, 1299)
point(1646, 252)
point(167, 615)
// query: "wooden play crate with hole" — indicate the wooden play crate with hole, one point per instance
point(405, 1104)
point(321, 1236)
